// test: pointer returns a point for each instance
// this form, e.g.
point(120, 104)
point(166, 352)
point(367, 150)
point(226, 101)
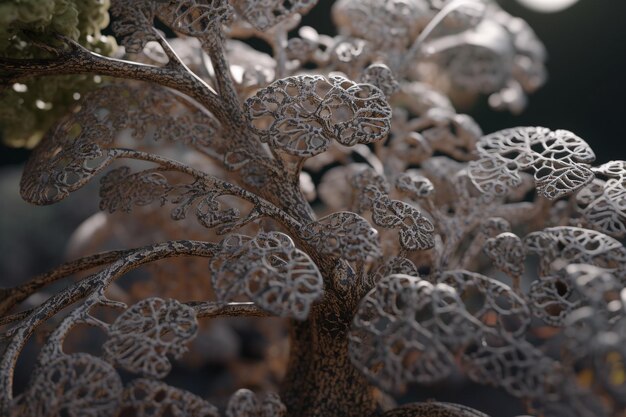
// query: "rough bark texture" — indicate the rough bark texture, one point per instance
point(321, 380)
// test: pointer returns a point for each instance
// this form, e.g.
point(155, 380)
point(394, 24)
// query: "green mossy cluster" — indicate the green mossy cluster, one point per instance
point(28, 110)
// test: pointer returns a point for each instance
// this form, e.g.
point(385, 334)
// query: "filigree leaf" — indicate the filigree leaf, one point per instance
point(602, 204)
point(196, 18)
point(551, 300)
point(302, 114)
point(395, 334)
point(388, 25)
point(244, 403)
point(140, 337)
point(495, 305)
point(595, 285)
point(343, 235)
point(79, 147)
point(416, 231)
point(149, 398)
point(562, 246)
point(368, 185)
point(414, 185)
point(612, 169)
point(507, 253)
point(476, 59)
point(554, 299)
point(268, 13)
point(269, 270)
point(513, 364)
point(382, 77)
point(73, 385)
point(558, 159)
point(66, 159)
point(133, 23)
point(121, 190)
point(443, 130)
point(210, 214)
point(394, 266)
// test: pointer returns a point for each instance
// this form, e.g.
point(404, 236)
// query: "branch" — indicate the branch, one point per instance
point(10, 297)
point(75, 59)
point(279, 47)
point(265, 207)
point(212, 309)
point(18, 337)
point(224, 80)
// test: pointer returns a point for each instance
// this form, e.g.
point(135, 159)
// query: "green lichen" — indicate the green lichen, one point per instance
point(28, 110)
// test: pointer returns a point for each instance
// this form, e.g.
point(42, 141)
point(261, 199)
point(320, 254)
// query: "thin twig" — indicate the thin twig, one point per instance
point(265, 207)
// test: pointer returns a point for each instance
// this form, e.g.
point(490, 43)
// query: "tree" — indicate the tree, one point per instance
point(385, 278)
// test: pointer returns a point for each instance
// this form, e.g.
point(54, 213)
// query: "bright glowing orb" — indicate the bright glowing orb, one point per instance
point(547, 6)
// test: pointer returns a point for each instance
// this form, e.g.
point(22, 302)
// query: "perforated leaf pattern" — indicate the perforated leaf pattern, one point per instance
point(269, 270)
point(495, 305)
point(196, 18)
point(343, 234)
point(561, 246)
point(393, 339)
point(82, 144)
point(302, 114)
point(558, 160)
point(416, 232)
point(120, 189)
point(142, 336)
point(393, 24)
point(267, 13)
point(244, 403)
point(507, 253)
point(73, 385)
point(150, 398)
point(133, 23)
point(602, 204)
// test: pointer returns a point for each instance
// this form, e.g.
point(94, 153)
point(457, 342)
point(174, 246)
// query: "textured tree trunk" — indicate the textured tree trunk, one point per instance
point(321, 380)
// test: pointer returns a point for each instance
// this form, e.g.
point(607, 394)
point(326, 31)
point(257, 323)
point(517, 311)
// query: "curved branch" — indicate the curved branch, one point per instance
point(75, 59)
point(10, 297)
point(85, 288)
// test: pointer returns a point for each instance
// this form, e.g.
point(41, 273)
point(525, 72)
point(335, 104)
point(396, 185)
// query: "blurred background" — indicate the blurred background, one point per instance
point(585, 93)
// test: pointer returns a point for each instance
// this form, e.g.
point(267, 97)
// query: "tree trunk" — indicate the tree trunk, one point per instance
point(321, 380)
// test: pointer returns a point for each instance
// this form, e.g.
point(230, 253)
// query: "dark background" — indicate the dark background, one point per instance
point(586, 89)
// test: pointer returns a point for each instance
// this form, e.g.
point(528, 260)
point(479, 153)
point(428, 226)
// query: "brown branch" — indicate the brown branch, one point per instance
point(15, 317)
point(212, 309)
point(10, 297)
point(85, 288)
point(75, 59)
